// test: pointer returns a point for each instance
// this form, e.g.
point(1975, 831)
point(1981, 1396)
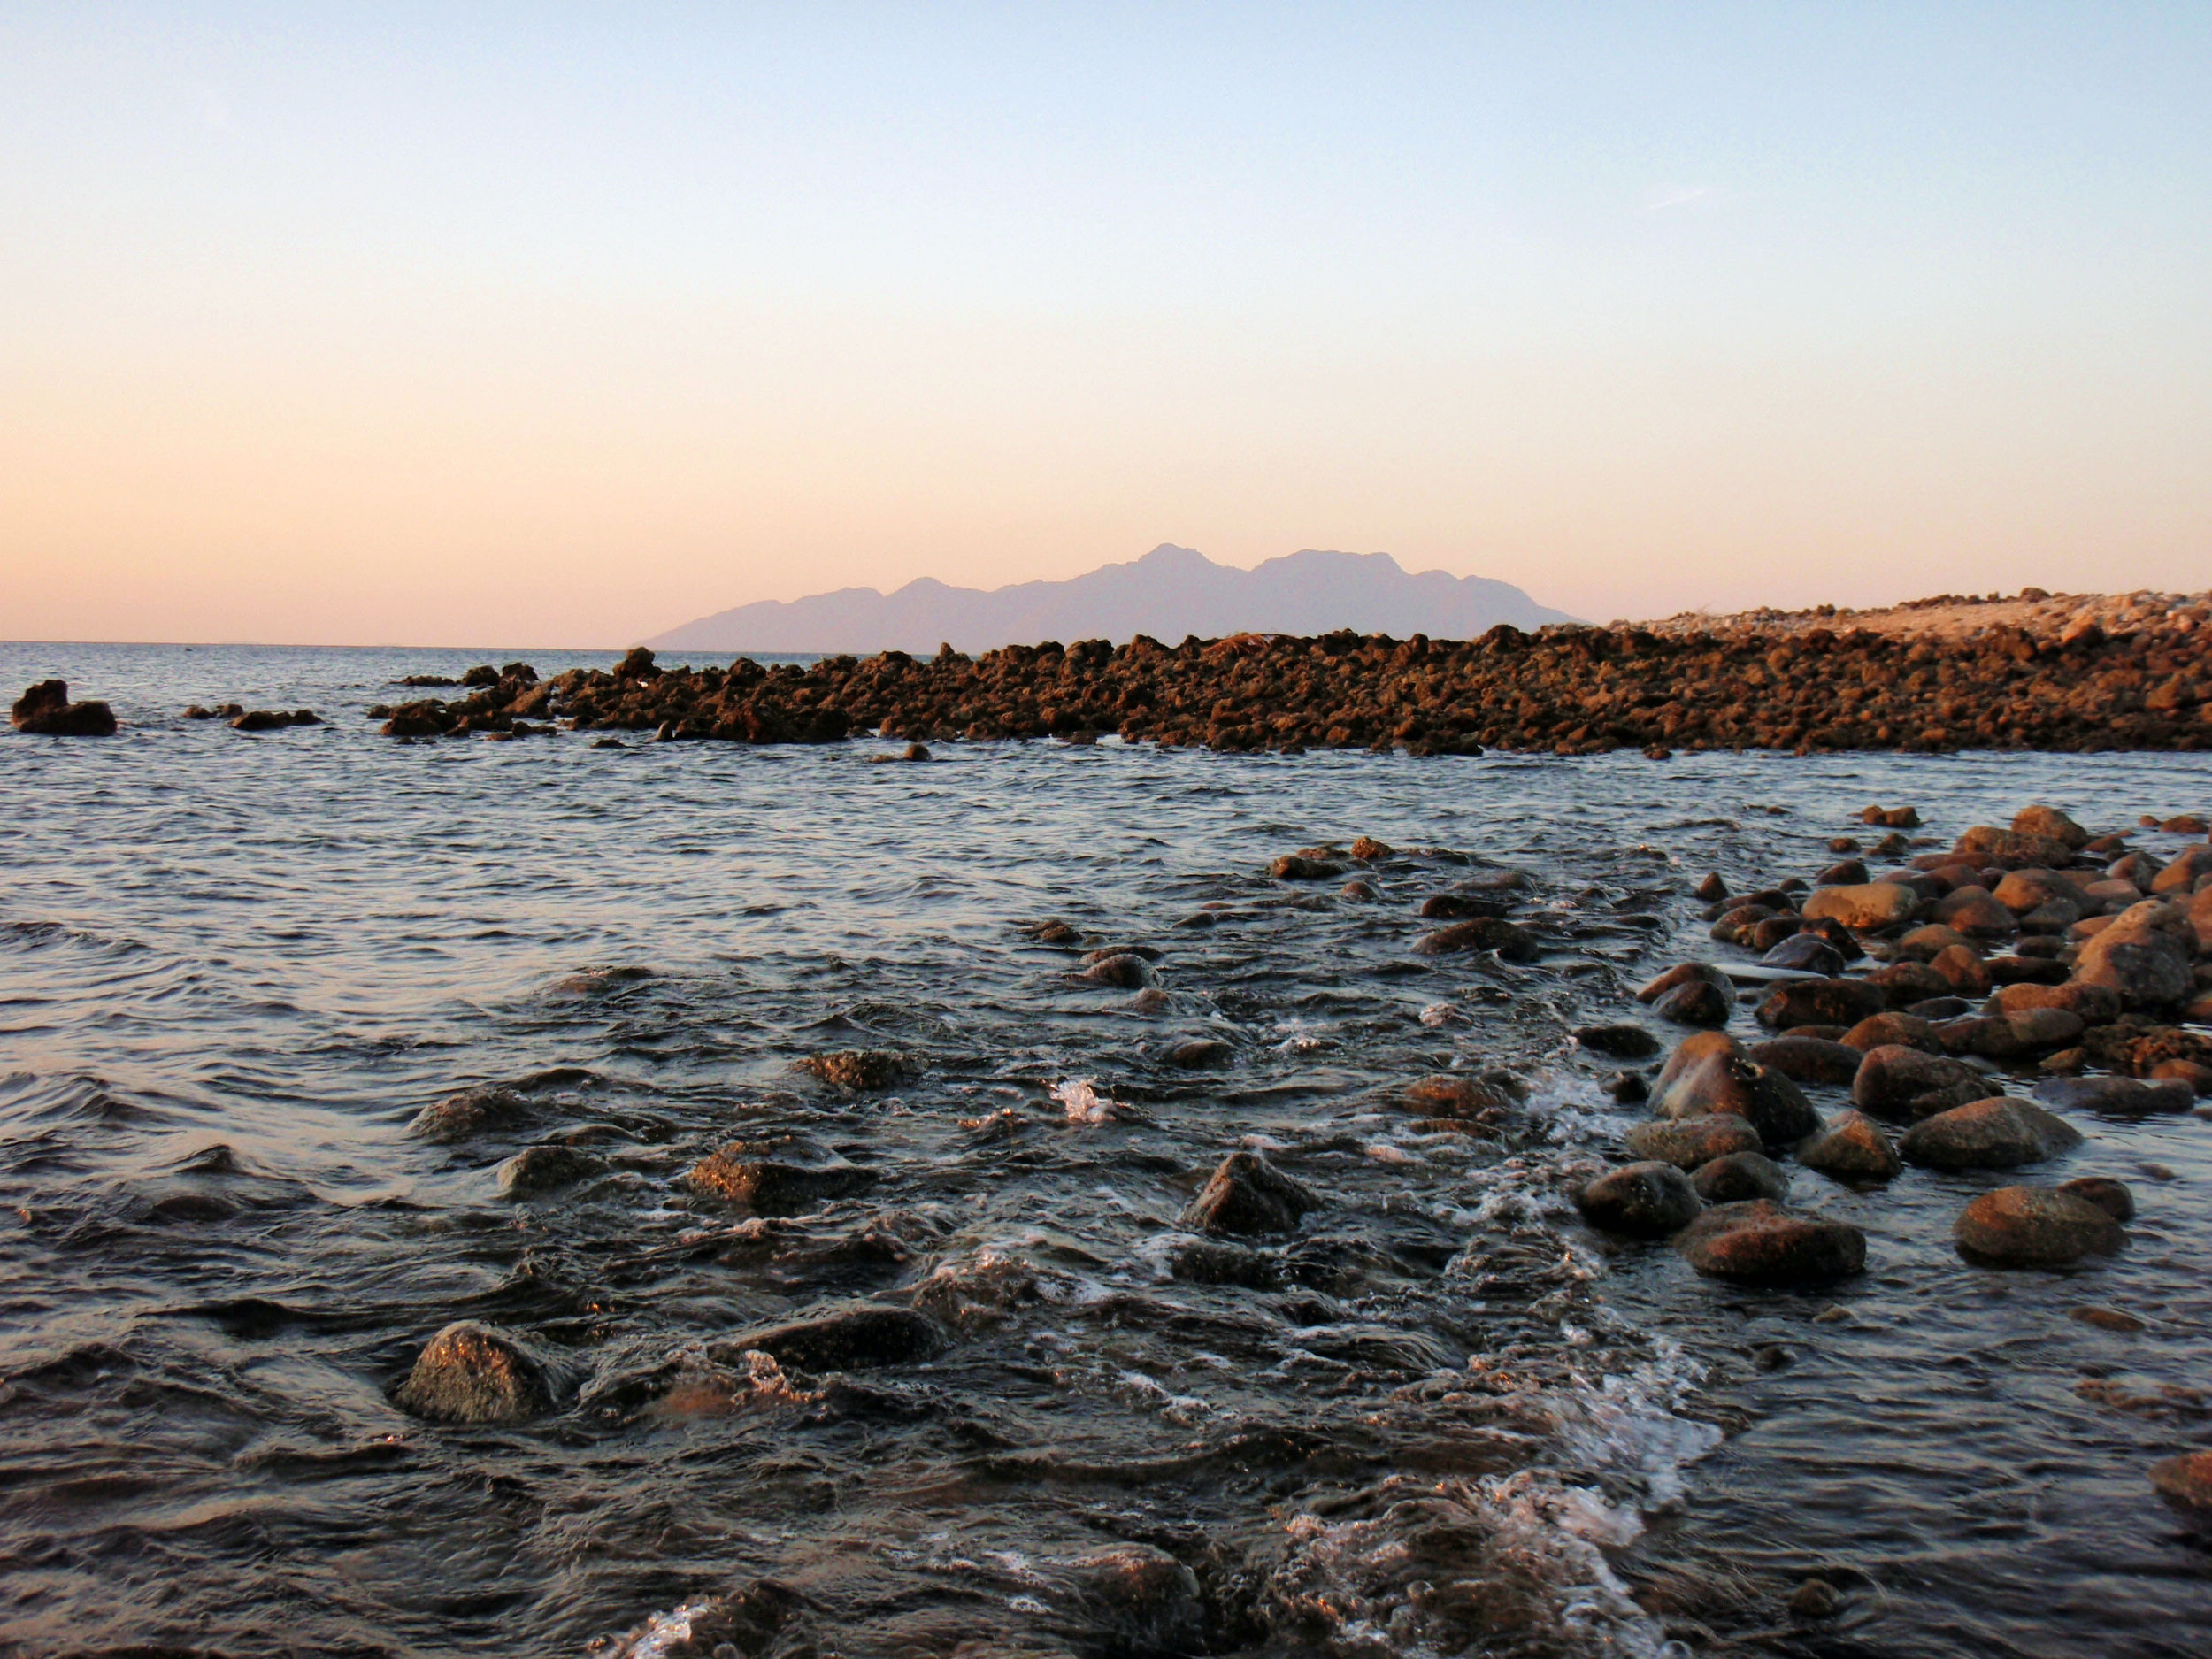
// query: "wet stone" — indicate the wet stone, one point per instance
point(1511, 941)
point(1894, 1081)
point(1691, 1142)
point(472, 1112)
point(1304, 867)
point(1988, 1135)
point(2034, 1227)
point(472, 1373)
point(1199, 1053)
point(1619, 1043)
point(2113, 1197)
point(1125, 971)
point(1852, 1148)
point(781, 1177)
point(1738, 1176)
point(1807, 1059)
point(1247, 1194)
point(1645, 1200)
point(1806, 953)
point(2185, 1482)
point(2117, 1096)
point(856, 1336)
point(1820, 1002)
point(546, 1168)
point(1759, 1242)
point(855, 1069)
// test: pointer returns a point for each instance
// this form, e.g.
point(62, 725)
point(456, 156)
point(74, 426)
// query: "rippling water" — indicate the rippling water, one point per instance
point(1445, 1418)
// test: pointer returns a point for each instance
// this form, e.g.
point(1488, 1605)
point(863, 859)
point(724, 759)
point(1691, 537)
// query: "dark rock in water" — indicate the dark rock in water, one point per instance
point(1511, 942)
point(1367, 850)
point(1759, 1242)
point(1807, 1059)
point(1850, 874)
point(1444, 906)
point(1852, 1148)
point(854, 1068)
point(1247, 1194)
point(1695, 994)
point(1622, 1042)
point(1207, 1262)
point(2117, 1096)
point(2034, 1227)
point(1710, 1073)
point(1648, 1200)
point(1868, 909)
point(1304, 867)
point(1739, 1176)
point(1988, 1135)
point(2007, 1036)
point(545, 1169)
point(1628, 1087)
point(1712, 888)
point(45, 711)
point(1200, 1052)
point(273, 719)
point(1139, 1600)
point(1125, 971)
point(856, 1336)
point(473, 1373)
point(1820, 1002)
point(472, 1112)
point(779, 1176)
point(1688, 1143)
point(2140, 956)
point(1893, 1028)
point(1457, 1094)
point(1894, 1081)
point(2185, 1482)
point(2113, 1197)
point(1363, 892)
point(1806, 953)
point(2051, 825)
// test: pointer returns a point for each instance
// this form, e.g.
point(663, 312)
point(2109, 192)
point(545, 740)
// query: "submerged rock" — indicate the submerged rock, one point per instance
point(2117, 1096)
point(1247, 1194)
point(546, 1168)
point(856, 1336)
point(2140, 957)
point(474, 1373)
point(2034, 1227)
point(854, 1068)
point(1619, 1043)
point(1852, 1148)
point(1989, 1135)
point(2185, 1482)
point(1199, 1053)
point(1738, 1176)
point(1124, 970)
point(1648, 1199)
point(1511, 941)
point(780, 1177)
point(470, 1113)
point(1690, 1141)
point(1759, 1242)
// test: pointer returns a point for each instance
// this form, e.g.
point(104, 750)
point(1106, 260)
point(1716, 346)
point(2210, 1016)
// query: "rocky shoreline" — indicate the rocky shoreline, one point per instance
point(2071, 683)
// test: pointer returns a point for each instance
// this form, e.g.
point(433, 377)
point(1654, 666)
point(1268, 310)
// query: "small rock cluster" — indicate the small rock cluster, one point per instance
point(45, 711)
point(1566, 689)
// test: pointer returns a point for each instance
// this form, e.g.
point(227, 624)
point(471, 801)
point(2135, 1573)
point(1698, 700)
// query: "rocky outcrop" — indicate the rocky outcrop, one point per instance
point(45, 711)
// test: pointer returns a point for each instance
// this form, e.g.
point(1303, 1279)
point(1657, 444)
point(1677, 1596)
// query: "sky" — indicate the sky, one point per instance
point(559, 325)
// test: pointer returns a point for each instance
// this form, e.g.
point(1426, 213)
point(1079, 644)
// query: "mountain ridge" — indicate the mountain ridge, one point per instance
point(1170, 593)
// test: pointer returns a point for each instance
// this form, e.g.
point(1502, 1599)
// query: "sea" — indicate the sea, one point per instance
point(1442, 1418)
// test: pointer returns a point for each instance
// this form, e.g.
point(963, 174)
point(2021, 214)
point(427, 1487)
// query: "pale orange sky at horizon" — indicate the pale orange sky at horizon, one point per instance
point(492, 334)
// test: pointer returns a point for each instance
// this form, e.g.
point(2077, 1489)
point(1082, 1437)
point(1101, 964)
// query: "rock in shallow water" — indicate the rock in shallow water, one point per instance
point(1852, 1148)
point(1762, 1243)
point(1689, 1141)
point(2185, 1482)
point(1710, 1073)
point(2034, 1227)
point(472, 1112)
point(853, 1337)
point(45, 711)
point(1807, 1059)
point(546, 1168)
point(1738, 1176)
point(473, 1373)
point(855, 1068)
point(1247, 1194)
point(1619, 1043)
point(1988, 1135)
point(1895, 1081)
point(779, 1177)
point(1511, 941)
point(1648, 1200)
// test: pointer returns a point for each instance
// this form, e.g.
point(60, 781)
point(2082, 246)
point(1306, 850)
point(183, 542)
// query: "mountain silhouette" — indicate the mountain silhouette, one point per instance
point(1170, 593)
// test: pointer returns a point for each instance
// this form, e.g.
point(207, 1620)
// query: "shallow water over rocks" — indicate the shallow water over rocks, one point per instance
point(1439, 1415)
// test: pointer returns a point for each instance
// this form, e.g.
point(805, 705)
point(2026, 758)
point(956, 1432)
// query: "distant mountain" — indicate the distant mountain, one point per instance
point(1169, 593)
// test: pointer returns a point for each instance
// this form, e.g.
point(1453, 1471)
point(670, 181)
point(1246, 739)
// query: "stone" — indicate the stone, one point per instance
point(1905, 983)
point(1759, 1242)
point(2024, 891)
point(1688, 1143)
point(2108, 1319)
point(1852, 1148)
point(472, 1373)
point(1695, 994)
point(546, 1168)
point(1926, 942)
point(1734, 1177)
point(1807, 1059)
point(1908, 1082)
point(2091, 1004)
point(2011, 849)
point(2195, 1074)
point(1850, 874)
point(1647, 1200)
point(2051, 825)
point(2116, 1096)
point(1866, 908)
point(1198, 1053)
point(852, 1336)
point(1962, 968)
point(1367, 850)
point(854, 1068)
point(2178, 880)
point(1806, 953)
point(470, 1113)
point(1892, 817)
point(2033, 1226)
point(1511, 942)
point(1974, 912)
point(1711, 1074)
point(2141, 956)
point(2185, 1482)
point(1247, 1194)
point(1893, 1029)
point(2009, 1036)
point(1304, 867)
point(1620, 1042)
point(1125, 970)
point(2113, 1197)
point(1712, 887)
point(45, 711)
point(1139, 1600)
point(1455, 1094)
point(2001, 1133)
point(782, 1176)
point(1820, 1002)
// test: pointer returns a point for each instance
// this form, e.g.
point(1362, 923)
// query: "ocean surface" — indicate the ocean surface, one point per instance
point(1445, 1418)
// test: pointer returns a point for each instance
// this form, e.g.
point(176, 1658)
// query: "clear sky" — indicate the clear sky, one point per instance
point(559, 324)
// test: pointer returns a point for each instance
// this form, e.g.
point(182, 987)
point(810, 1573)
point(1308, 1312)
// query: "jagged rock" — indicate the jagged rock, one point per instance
point(1852, 1148)
point(1645, 1200)
point(1734, 1177)
point(2001, 1133)
point(45, 711)
point(473, 1373)
point(1688, 1143)
point(1759, 1242)
point(853, 1336)
point(1247, 1194)
point(2034, 1227)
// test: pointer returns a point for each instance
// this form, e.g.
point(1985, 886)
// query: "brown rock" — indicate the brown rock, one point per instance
point(2185, 1482)
point(1876, 905)
point(1762, 1243)
point(1645, 1200)
point(1453, 1094)
point(2178, 880)
point(781, 1176)
point(1511, 943)
point(2141, 956)
point(2009, 849)
point(2091, 1004)
point(2033, 1226)
point(2053, 825)
point(852, 1336)
point(472, 1112)
point(1735, 1176)
point(854, 1068)
point(1852, 1148)
point(1988, 1135)
point(1895, 1029)
point(45, 711)
point(1247, 1194)
point(1820, 1002)
point(1689, 1143)
point(1807, 1059)
point(1974, 912)
point(474, 1373)
point(2113, 1197)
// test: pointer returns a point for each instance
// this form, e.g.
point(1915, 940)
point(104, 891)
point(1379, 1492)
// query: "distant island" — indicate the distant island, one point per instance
point(1170, 592)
